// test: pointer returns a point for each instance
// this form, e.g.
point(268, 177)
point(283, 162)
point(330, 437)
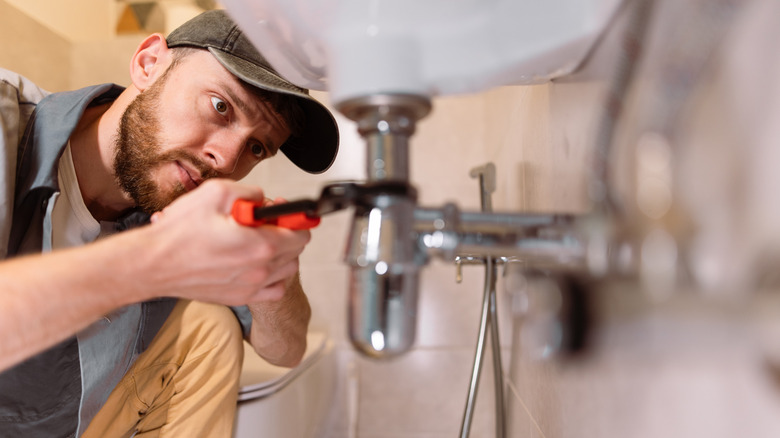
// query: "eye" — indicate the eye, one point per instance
point(220, 105)
point(257, 150)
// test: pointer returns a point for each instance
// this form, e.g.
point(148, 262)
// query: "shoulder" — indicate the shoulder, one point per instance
point(19, 97)
point(16, 89)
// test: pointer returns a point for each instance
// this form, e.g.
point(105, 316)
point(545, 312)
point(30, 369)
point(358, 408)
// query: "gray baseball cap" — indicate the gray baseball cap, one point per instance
point(316, 146)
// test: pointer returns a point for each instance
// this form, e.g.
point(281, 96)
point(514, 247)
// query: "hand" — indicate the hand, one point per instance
point(199, 252)
point(193, 250)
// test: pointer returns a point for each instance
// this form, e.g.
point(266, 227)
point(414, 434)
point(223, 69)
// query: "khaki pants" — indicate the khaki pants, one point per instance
point(184, 385)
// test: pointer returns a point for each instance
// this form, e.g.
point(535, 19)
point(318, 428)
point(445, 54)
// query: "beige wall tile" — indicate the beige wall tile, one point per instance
point(540, 138)
point(671, 370)
point(450, 313)
point(100, 61)
point(32, 50)
point(329, 241)
point(449, 141)
point(422, 393)
point(518, 131)
point(77, 20)
point(327, 289)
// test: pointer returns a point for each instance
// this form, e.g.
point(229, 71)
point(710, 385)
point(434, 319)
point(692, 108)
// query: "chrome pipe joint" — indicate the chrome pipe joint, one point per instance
point(381, 251)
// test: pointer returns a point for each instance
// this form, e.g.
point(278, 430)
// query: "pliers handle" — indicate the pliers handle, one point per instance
point(296, 215)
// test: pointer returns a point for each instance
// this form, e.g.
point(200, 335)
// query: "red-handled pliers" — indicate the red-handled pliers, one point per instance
point(305, 214)
point(296, 215)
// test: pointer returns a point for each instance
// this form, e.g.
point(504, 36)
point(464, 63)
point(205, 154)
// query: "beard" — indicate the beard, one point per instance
point(138, 146)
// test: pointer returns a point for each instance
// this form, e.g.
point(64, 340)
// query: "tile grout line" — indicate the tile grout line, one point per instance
point(511, 386)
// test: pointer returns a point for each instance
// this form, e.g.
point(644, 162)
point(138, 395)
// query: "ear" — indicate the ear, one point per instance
point(149, 61)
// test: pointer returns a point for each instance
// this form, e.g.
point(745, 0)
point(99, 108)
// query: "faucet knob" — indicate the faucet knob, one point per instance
point(487, 172)
point(487, 184)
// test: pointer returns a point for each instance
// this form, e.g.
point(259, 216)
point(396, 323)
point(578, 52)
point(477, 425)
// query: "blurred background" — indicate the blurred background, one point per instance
point(688, 108)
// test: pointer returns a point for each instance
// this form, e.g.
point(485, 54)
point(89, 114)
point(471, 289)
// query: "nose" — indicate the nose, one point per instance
point(224, 149)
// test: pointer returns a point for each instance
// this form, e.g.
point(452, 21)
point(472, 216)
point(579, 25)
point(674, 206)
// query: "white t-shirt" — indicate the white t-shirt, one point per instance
point(71, 222)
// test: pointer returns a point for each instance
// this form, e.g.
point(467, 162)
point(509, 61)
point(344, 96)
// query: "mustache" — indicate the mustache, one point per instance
point(205, 171)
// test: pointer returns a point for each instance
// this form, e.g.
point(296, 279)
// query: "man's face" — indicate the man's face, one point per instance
point(196, 121)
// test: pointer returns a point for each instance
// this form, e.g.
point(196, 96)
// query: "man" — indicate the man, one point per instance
point(106, 333)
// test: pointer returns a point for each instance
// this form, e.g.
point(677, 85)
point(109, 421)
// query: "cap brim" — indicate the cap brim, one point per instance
point(315, 148)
